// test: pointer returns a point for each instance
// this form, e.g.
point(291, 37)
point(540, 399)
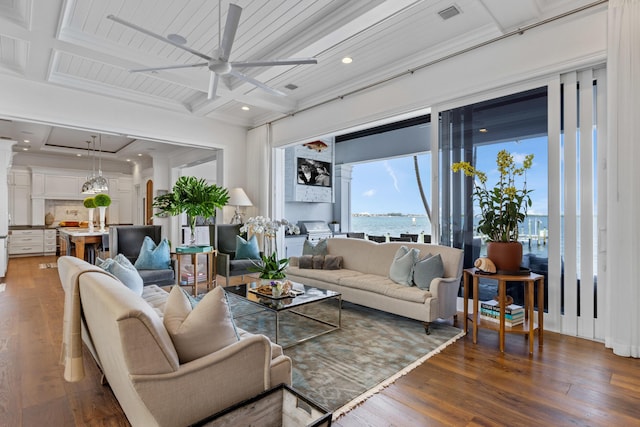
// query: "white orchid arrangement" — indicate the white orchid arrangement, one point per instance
point(271, 267)
point(268, 227)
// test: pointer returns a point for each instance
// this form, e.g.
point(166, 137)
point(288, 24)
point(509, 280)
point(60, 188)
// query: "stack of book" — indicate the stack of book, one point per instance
point(513, 314)
point(187, 278)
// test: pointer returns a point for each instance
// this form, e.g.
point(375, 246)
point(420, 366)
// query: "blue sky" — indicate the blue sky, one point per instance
point(390, 185)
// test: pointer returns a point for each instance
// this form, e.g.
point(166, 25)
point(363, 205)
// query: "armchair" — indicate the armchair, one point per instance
point(224, 236)
point(127, 240)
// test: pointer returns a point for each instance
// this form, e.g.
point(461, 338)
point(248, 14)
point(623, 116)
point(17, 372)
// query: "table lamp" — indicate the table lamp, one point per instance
point(237, 198)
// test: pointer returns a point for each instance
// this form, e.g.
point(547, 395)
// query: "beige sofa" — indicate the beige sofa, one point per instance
point(364, 279)
point(127, 337)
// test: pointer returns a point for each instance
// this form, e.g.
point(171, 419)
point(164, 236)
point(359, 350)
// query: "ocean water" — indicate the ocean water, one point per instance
point(394, 225)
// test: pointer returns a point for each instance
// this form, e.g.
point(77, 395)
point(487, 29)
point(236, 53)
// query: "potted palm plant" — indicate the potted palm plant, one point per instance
point(502, 208)
point(194, 197)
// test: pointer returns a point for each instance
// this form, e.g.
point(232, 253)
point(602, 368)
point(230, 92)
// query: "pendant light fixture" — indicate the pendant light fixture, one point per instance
point(87, 187)
point(99, 182)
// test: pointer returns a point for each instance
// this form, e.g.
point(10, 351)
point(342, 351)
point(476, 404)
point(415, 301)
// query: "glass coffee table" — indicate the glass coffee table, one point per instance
point(289, 304)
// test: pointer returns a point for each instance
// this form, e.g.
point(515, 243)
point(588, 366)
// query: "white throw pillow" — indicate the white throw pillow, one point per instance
point(205, 329)
point(402, 266)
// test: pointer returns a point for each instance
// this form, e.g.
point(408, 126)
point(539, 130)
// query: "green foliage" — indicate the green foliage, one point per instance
point(271, 267)
point(504, 206)
point(192, 196)
point(102, 199)
point(89, 203)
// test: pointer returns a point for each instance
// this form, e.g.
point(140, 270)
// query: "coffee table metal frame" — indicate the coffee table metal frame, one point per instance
point(279, 305)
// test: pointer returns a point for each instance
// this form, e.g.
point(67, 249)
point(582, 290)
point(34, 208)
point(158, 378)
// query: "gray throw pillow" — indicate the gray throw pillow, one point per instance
point(319, 249)
point(332, 262)
point(305, 261)
point(402, 265)
point(427, 269)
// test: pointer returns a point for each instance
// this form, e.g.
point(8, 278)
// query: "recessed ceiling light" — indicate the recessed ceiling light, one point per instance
point(139, 154)
point(26, 141)
point(25, 149)
point(347, 60)
point(128, 160)
point(245, 108)
point(483, 130)
point(291, 86)
point(78, 155)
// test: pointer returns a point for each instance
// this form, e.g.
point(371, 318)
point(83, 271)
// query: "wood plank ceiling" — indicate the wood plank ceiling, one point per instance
point(71, 43)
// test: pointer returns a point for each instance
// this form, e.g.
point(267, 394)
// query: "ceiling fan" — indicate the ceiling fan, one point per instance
point(218, 63)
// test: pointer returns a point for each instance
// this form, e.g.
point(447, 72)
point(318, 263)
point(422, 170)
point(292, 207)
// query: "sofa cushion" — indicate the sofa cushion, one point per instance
point(320, 248)
point(247, 249)
point(427, 269)
point(318, 261)
point(305, 261)
point(385, 286)
point(122, 268)
point(332, 262)
point(202, 330)
point(153, 257)
point(332, 276)
point(156, 297)
point(402, 265)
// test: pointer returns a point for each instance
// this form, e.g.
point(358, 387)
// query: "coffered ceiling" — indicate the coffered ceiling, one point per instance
point(72, 44)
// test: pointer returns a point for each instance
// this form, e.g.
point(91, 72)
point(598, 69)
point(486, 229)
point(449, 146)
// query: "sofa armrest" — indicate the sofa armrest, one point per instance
point(209, 384)
point(446, 291)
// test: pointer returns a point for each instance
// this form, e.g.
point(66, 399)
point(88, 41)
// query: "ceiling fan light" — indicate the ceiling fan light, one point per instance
point(177, 38)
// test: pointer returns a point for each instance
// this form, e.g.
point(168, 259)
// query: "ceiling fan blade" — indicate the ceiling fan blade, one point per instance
point(272, 62)
point(168, 67)
point(230, 28)
point(213, 86)
point(157, 36)
point(257, 83)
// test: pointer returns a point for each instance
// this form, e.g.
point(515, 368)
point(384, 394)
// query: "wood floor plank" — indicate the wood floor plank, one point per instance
point(570, 381)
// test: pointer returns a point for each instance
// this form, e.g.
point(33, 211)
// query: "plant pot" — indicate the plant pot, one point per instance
point(102, 210)
point(507, 256)
point(91, 210)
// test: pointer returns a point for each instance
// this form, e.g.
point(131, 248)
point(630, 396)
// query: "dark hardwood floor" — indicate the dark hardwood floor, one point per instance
point(570, 382)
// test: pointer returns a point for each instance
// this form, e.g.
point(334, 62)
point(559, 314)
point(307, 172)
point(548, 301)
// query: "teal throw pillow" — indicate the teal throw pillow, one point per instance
point(122, 268)
point(318, 249)
point(153, 257)
point(247, 249)
point(402, 266)
point(427, 269)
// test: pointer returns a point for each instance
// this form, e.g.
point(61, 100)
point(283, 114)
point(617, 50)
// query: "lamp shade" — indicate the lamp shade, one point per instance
point(237, 197)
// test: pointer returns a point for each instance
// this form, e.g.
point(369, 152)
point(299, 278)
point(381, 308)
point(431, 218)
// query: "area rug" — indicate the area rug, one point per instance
point(342, 368)
point(48, 265)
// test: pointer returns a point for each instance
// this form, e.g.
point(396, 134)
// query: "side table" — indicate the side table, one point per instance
point(194, 251)
point(528, 327)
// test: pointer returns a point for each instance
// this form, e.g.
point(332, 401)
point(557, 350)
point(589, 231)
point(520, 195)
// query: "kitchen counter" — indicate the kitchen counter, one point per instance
point(82, 237)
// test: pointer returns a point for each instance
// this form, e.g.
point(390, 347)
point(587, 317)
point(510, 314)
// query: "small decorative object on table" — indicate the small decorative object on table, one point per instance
point(90, 204)
point(102, 201)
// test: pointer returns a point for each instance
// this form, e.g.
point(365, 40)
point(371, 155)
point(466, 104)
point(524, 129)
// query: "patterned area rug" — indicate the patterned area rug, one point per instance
point(343, 368)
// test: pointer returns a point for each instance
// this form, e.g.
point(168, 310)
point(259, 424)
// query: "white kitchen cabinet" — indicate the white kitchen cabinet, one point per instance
point(26, 242)
point(50, 241)
point(20, 197)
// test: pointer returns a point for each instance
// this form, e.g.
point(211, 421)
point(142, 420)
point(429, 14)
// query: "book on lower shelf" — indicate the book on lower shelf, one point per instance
point(187, 278)
point(513, 313)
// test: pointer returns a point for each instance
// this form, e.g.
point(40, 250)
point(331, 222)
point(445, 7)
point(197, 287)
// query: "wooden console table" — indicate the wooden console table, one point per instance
point(528, 327)
point(194, 251)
